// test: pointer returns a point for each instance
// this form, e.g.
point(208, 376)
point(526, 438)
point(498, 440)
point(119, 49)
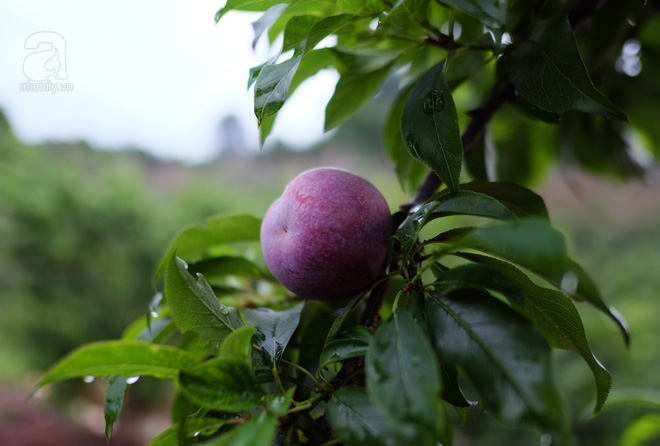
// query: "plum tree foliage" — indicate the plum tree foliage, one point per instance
point(462, 319)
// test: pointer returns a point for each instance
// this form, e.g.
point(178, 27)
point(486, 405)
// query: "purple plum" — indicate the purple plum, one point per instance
point(325, 237)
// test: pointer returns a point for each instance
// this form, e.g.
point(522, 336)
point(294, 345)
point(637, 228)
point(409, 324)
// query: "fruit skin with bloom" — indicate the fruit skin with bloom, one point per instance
point(325, 237)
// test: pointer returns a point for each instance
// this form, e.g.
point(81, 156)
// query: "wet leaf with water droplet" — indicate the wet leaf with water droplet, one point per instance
point(429, 125)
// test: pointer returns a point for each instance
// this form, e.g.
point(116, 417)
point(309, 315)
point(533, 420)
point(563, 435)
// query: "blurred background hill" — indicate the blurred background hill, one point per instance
point(82, 229)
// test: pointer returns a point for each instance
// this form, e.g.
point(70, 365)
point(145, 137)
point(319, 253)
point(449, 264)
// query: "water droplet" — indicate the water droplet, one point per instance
point(153, 313)
point(412, 145)
point(569, 283)
point(545, 440)
point(132, 379)
point(434, 102)
point(196, 434)
point(88, 379)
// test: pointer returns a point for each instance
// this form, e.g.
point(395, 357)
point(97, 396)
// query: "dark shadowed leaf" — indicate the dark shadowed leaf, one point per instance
point(491, 13)
point(128, 358)
point(193, 242)
point(548, 71)
point(274, 329)
point(222, 384)
point(352, 90)
point(195, 307)
point(409, 170)
point(550, 311)
point(114, 401)
point(357, 420)
point(404, 381)
point(429, 125)
point(507, 360)
point(351, 344)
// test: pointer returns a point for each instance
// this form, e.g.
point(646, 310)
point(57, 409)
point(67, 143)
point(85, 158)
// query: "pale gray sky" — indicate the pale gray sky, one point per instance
point(157, 75)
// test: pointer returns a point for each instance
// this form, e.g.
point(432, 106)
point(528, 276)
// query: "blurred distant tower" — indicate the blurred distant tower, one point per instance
point(230, 136)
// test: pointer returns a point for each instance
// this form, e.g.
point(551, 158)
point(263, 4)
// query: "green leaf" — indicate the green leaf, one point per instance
point(195, 307)
point(507, 360)
point(274, 329)
point(644, 430)
point(257, 431)
point(194, 242)
point(279, 405)
point(325, 27)
point(459, 203)
point(491, 13)
point(365, 60)
point(245, 5)
point(351, 344)
point(409, 171)
point(128, 358)
point(222, 384)
point(311, 64)
point(237, 346)
point(548, 71)
point(466, 202)
point(429, 125)
point(266, 21)
point(352, 90)
point(272, 86)
point(357, 420)
point(114, 401)
point(518, 199)
point(530, 243)
point(587, 291)
point(296, 30)
point(551, 312)
point(170, 436)
point(404, 381)
point(218, 268)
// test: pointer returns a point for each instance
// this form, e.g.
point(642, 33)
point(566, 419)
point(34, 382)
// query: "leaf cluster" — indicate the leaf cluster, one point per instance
point(478, 289)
